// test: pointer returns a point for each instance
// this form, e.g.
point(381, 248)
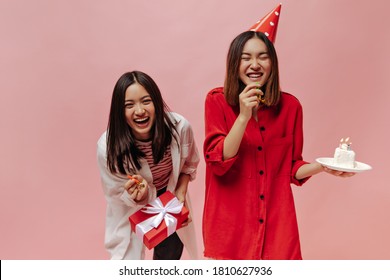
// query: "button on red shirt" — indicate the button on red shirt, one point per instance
point(249, 210)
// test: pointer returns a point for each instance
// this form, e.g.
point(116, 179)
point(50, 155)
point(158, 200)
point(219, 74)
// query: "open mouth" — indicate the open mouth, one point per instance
point(255, 76)
point(142, 121)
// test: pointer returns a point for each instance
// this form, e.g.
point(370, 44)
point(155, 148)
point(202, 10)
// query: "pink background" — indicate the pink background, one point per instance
point(59, 61)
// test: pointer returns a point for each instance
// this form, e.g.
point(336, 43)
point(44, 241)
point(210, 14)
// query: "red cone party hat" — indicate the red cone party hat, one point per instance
point(269, 24)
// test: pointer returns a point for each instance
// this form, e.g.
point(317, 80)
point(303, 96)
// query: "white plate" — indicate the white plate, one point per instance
point(328, 162)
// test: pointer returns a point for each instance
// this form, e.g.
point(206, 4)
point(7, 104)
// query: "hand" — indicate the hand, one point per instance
point(137, 187)
point(187, 222)
point(181, 196)
point(181, 192)
point(189, 219)
point(249, 99)
point(338, 173)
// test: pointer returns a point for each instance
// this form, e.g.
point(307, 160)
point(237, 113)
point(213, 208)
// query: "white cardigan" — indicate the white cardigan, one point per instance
point(120, 241)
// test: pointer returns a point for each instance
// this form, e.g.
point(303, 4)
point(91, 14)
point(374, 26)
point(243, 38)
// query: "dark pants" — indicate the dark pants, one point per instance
point(171, 248)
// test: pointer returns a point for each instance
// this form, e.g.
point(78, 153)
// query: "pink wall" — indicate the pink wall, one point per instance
point(58, 65)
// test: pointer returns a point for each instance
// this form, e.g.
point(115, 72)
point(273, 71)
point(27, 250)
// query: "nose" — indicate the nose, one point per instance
point(255, 63)
point(139, 109)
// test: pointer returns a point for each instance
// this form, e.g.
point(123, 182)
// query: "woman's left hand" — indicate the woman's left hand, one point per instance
point(181, 196)
point(189, 219)
point(338, 173)
point(181, 192)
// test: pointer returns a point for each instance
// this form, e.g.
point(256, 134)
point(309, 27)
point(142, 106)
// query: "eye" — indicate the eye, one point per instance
point(264, 56)
point(147, 101)
point(245, 58)
point(129, 105)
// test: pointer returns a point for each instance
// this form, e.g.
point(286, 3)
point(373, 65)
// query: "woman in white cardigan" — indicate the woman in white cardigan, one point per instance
point(155, 147)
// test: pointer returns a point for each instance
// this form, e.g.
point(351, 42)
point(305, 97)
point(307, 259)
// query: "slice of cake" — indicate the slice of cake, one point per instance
point(343, 155)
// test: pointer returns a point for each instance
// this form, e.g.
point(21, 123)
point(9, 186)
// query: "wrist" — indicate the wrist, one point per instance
point(319, 167)
point(243, 119)
point(180, 196)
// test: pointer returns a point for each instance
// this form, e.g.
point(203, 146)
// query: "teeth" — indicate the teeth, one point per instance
point(141, 120)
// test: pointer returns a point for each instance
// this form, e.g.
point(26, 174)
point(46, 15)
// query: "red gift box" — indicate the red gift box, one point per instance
point(145, 222)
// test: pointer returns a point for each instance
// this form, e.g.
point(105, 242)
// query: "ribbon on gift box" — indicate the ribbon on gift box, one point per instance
point(161, 212)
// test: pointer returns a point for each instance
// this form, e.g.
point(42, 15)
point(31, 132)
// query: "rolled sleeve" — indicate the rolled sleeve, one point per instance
point(189, 151)
point(295, 167)
point(214, 160)
point(298, 147)
point(216, 131)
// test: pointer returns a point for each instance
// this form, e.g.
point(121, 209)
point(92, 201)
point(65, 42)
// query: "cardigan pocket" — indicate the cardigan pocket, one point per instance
point(279, 156)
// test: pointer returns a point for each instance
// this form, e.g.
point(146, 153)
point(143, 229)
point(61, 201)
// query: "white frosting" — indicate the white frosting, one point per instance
point(344, 157)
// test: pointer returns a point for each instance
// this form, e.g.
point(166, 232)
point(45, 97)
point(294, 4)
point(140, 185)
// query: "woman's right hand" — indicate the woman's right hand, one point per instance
point(249, 100)
point(137, 187)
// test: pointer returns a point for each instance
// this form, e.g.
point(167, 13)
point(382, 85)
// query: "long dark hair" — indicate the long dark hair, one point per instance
point(122, 153)
point(233, 85)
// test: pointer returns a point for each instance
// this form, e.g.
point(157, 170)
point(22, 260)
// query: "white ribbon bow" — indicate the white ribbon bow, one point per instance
point(161, 212)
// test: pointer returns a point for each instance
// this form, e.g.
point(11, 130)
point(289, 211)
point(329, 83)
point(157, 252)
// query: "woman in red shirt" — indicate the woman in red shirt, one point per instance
point(253, 152)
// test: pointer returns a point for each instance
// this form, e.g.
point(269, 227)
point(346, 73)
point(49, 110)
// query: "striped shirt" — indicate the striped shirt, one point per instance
point(160, 171)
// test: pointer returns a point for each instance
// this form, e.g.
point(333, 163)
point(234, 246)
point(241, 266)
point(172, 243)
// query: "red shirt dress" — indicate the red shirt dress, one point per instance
point(249, 209)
